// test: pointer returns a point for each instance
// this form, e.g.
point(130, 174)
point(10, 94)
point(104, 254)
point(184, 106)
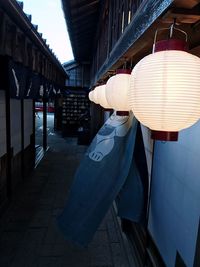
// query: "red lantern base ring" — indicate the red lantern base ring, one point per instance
point(164, 136)
point(122, 113)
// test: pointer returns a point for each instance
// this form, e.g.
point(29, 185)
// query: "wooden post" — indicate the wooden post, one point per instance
point(33, 135)
point(22, 138)
point(8, 130)
point(44, 124)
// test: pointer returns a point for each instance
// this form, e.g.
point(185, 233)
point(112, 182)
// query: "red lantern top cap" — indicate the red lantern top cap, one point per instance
point(171, 44)
point(123, 71)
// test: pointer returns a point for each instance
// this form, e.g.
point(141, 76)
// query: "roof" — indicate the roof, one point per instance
point(14, 10)
point(70, 64)
point(81, 17)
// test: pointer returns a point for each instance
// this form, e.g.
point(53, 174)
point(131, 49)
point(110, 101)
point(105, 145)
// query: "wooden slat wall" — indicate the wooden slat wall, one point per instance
point(28, 121)
point(115, 18)
point(2, 124)
point(3, 151)
point(15, 114)
point(17, 44)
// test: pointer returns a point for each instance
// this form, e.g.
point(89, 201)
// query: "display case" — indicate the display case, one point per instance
point(75, 112)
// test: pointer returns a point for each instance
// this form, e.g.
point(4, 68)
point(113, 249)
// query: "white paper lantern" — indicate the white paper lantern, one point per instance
point(91, 96)
point(117, 88)
point(101, 95)
point(95, 97)
point(165, 90)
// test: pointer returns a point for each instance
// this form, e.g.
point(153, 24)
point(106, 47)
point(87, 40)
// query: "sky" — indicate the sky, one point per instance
point(49, 17)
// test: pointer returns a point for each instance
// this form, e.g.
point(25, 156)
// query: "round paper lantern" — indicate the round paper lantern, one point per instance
point(101, 95)
point(91, 96)
point(95, 97)
point(117, 88)
point(165, 92)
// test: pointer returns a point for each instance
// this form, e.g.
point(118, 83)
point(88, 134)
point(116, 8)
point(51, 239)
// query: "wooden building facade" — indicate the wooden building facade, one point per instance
point(29, 70)
point(113, 34)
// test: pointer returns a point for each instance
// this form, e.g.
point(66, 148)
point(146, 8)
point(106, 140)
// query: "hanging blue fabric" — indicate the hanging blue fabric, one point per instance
point(130, 200)
point(99, 178)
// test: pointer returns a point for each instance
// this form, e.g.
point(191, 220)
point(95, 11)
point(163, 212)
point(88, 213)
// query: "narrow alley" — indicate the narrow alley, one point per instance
point(28, 233)
point(103, 147)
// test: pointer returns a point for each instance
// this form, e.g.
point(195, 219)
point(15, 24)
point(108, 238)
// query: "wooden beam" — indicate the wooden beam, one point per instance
point(2, 31)
point(85, 3)
point(145, 16)
point(8, 131)
point(182, 15)
point(34, 133)
point(16, 31)
point(186, 3)
point(195, 51)
point(44, 124)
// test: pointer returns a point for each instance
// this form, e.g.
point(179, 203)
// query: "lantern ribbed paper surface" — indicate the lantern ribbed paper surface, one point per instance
point(101, 93)
point(95, 96)
point(165, 90)
point(117, 88)
point(91, 96)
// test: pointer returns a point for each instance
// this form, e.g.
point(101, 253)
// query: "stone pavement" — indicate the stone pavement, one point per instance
point(28, 233)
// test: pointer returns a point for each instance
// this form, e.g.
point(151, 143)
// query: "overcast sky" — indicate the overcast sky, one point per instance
point(49, 17)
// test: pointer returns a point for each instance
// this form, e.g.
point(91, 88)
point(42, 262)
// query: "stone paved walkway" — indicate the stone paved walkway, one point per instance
point(28, 234)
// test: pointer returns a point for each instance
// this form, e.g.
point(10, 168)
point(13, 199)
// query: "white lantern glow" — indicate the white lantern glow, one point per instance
point(117, 88)
point(101, 94)
point(165, 90)
point(91, 96)
point(95, 97)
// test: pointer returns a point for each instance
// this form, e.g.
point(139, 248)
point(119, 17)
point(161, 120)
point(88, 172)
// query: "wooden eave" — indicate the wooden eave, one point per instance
point(81, 17)
point(24, 31)
point(137, 39)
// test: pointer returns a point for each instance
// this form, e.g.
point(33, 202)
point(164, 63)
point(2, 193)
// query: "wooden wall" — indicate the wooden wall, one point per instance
point(28, 122)
point(17, 148)
point(3, 124)
point(20, 40)
point(115, 18)
point(3, 150)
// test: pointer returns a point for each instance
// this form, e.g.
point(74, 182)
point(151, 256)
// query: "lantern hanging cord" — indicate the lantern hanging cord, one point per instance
point(131, 63)
point(172, 27)
point(125, 64)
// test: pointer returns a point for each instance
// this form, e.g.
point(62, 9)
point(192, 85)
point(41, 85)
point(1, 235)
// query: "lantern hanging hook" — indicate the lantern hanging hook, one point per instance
point(171, 30)
point(172, 27)
point(125, 63)
point(131, 63)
